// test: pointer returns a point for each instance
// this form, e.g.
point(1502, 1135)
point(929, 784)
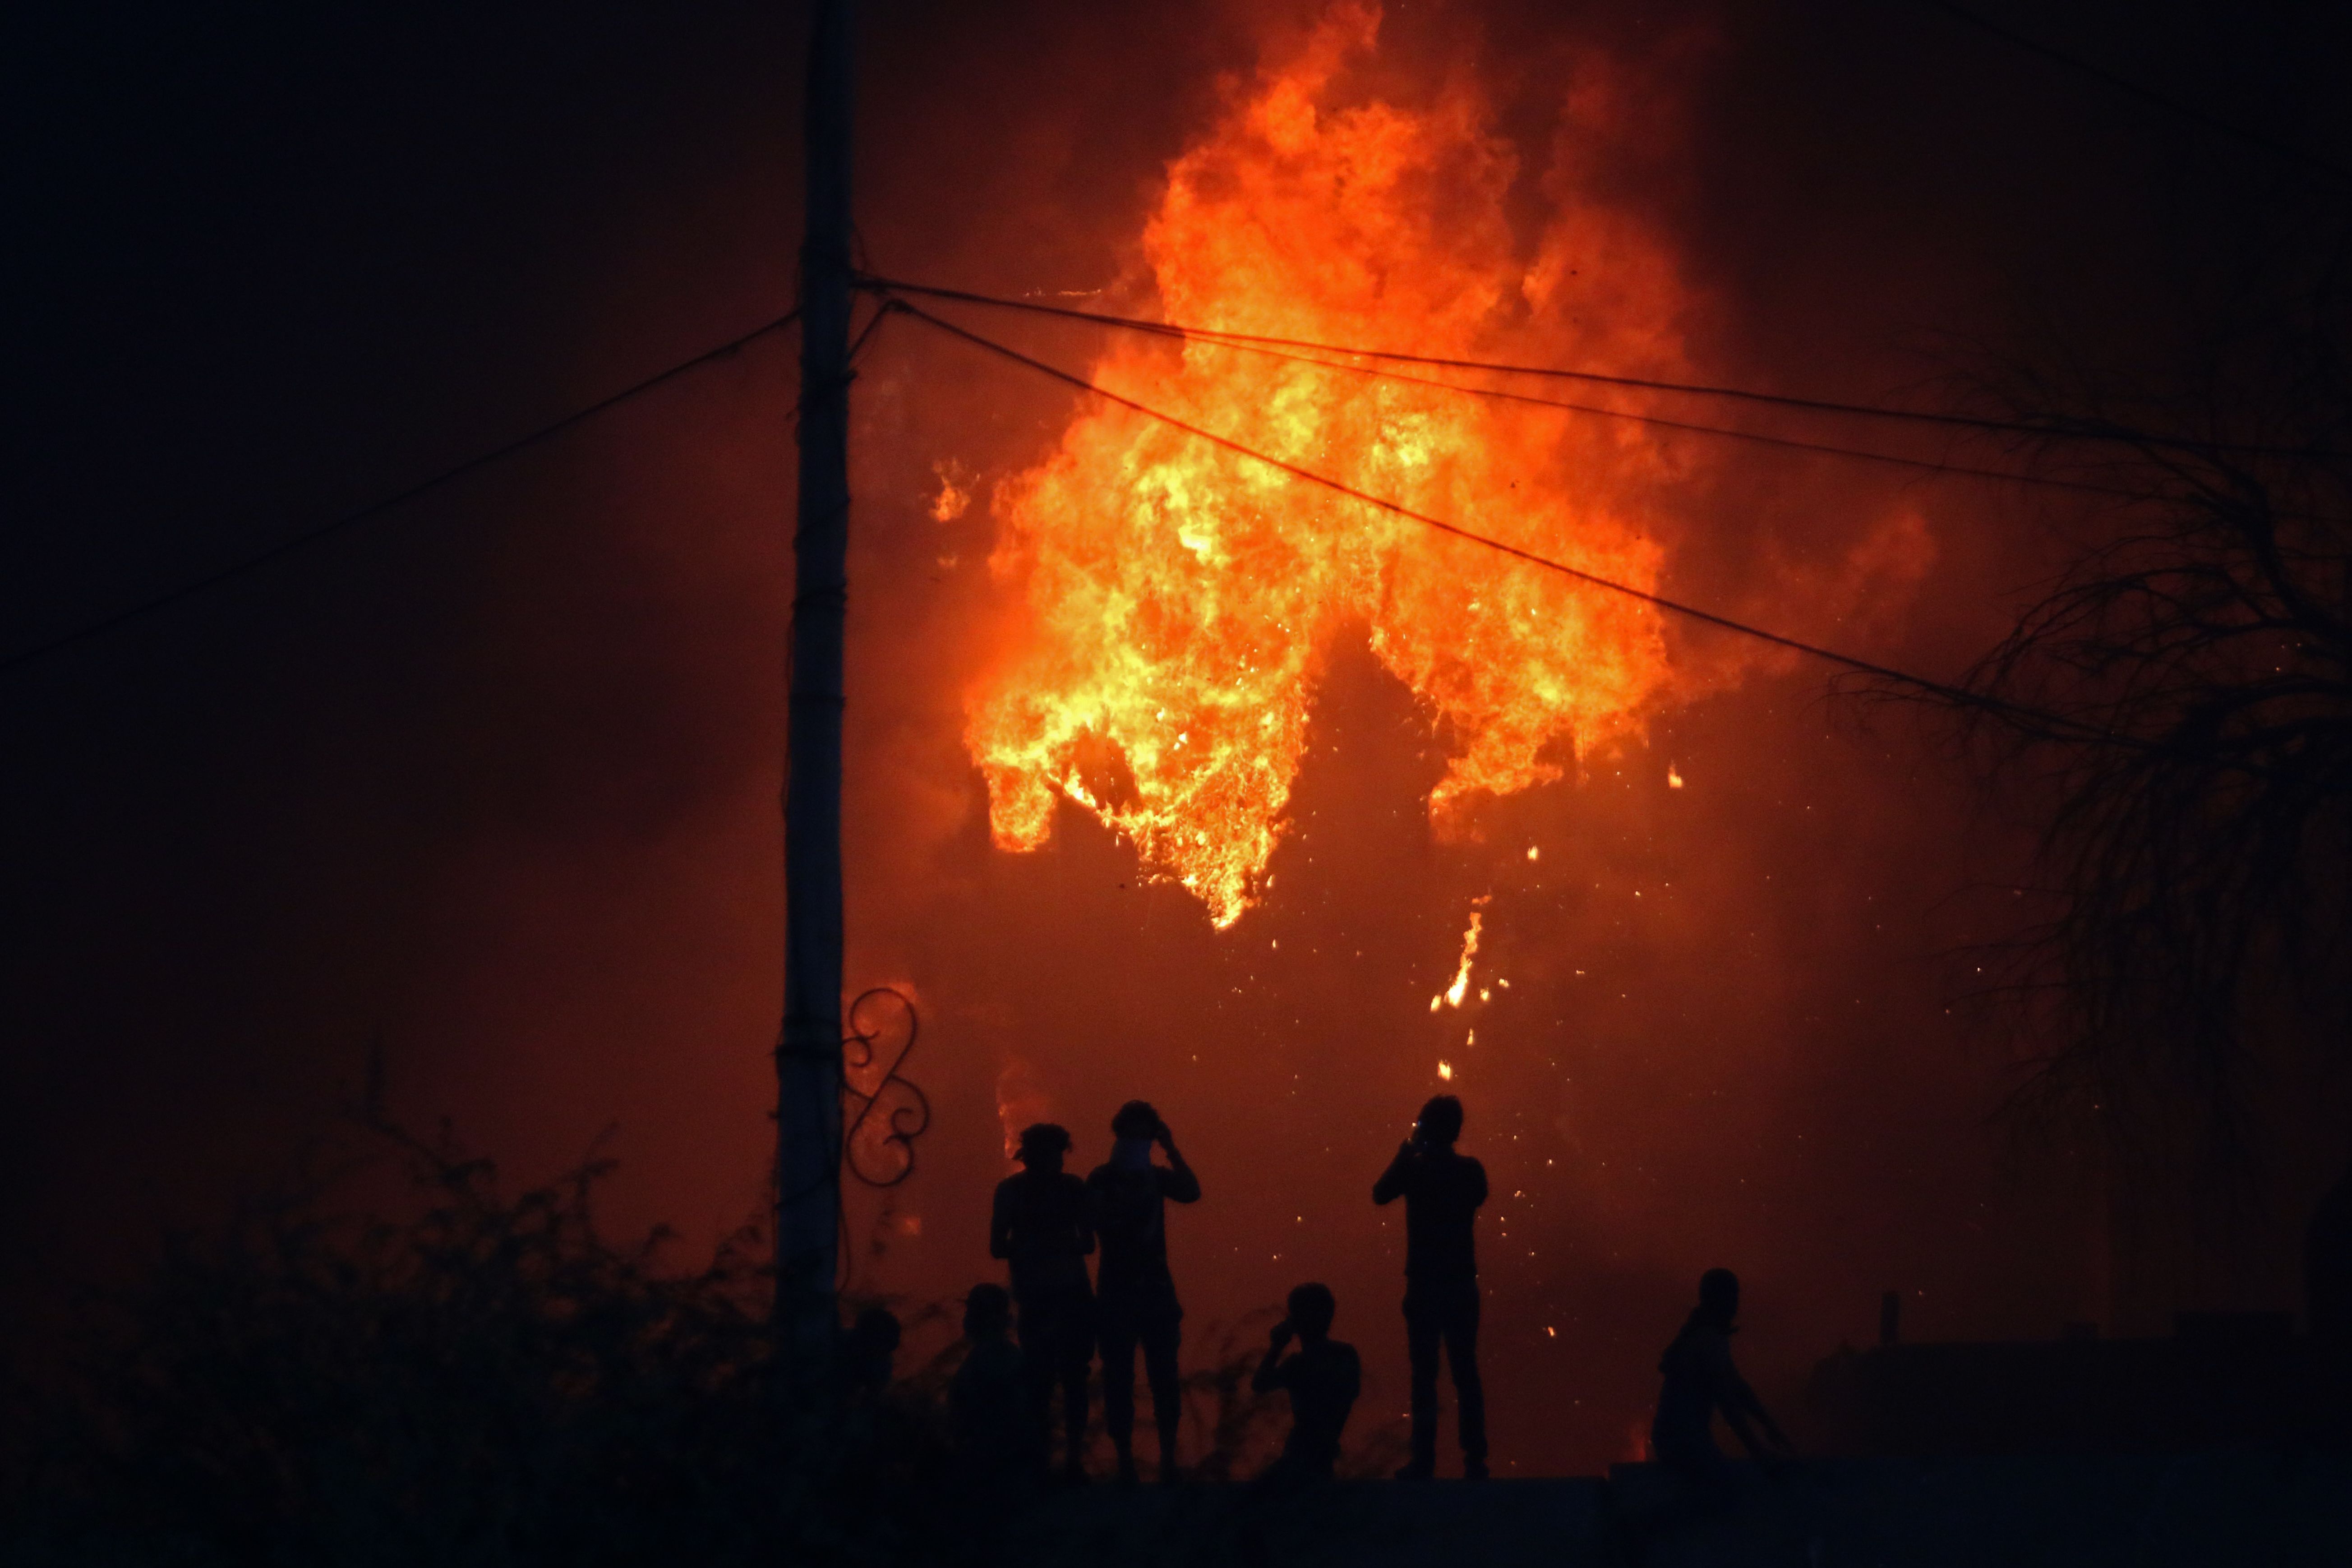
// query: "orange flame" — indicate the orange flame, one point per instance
point(1182, 596)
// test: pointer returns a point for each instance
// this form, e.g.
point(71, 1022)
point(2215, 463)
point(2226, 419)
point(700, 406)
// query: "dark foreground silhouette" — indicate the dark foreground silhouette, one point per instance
point(1441, 1190)
point(1043, 1226)
point(1135, 1294)
point(1322, 1380)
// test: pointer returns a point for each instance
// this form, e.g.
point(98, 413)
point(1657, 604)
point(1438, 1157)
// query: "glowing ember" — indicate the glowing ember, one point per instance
point(1446, 1071)
point(1673, 779)
point(1182, 596)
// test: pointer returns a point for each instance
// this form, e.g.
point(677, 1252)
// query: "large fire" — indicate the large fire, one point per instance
point(1182, 596)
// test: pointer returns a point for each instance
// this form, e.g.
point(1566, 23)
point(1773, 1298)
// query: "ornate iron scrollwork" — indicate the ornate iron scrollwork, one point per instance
point(885, 1112)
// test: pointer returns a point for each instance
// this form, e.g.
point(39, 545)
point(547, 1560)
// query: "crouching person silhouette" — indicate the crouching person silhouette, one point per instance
point(1699, 1379)
point(1135, 1295)
point(1041, 1226)
point(994, 1448)
point(1322, 1379)
point(990, 1420)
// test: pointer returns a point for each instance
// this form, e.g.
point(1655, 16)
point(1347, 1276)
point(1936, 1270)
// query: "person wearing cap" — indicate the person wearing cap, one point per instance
point(1135, 1298)
point(1041, 1225)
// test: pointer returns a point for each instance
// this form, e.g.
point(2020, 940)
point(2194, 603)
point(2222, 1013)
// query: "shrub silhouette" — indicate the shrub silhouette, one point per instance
point(489, 1382)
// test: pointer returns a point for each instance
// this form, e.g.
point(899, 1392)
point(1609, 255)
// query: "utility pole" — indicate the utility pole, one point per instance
point(808, 1049)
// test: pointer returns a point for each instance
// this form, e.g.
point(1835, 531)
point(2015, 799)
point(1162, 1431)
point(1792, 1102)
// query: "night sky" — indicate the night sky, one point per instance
point(490, 783)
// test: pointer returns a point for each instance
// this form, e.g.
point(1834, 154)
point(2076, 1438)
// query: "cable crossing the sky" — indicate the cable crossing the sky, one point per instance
point(1979, 423)
point(325, 531)
point(2292, 153)
point(1959, 696)
point(1787, 443)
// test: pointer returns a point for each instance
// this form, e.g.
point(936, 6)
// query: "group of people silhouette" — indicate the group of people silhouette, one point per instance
point(1042, 1337)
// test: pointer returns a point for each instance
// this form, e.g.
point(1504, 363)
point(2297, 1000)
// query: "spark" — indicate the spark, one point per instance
point(1673, 779)
point(1446, 1071)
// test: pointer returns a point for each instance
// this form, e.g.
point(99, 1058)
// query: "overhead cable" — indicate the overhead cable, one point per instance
point(2291, 152)
point(1959, 696)
point(1787, 443)
point(2013, 427)
point(311, 536)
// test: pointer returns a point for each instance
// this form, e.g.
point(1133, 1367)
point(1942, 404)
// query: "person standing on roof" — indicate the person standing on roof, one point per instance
point(1135, 1295)
point(1441, 1190)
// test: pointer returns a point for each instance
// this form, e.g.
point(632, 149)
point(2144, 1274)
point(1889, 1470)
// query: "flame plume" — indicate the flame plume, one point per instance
point(1180, 596)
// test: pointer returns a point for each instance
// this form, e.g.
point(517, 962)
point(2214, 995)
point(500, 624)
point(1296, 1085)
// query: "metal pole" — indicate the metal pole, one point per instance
point(808, 1050)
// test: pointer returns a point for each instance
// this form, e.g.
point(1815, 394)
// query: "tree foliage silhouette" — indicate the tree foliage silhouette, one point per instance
point(2192, 782)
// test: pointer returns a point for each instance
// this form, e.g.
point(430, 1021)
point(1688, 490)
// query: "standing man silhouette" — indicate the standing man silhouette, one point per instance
point(1441, 1192)
point(1041, 1225)
point(1135, 1296)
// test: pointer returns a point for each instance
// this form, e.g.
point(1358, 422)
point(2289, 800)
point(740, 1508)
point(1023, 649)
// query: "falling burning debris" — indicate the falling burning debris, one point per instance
point(1445, 1070)
point(1453, 994)
point(1673, 779)
point(954, 499)
point(1182, 597)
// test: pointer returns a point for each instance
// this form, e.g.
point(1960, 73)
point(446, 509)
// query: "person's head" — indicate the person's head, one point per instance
point(876, 1332)
point(1312, 1309)
point(1718, 1296)
point(1136, 1119)
point(1440, 1120)
point(1043, 1145)
point(987, 1312)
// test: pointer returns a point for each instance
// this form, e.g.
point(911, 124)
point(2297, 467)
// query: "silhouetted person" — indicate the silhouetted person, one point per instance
point(1135, 1296)
point(2328, 1268)
point(1322, 1380)
point(991, 1420)
point(1041, 1226)
point(868, 1353)
point(1441, 1192)
point(1699, 1380)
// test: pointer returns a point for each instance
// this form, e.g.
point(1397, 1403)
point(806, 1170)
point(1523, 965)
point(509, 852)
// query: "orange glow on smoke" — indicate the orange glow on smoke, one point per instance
point(1180, 596)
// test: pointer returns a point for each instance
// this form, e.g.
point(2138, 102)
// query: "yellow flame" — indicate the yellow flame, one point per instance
point(1180, 596)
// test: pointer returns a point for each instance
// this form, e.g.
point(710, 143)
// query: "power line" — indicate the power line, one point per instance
point(2146, 95)
point(2113, 433)
point(310, 537)
point(1787, 443)
point(1958, 694)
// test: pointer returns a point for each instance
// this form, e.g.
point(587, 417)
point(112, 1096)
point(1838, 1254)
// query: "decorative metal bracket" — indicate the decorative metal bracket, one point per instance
point(887, 1112)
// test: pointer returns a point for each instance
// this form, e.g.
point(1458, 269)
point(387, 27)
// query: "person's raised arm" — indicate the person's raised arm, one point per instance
point(999, 1225)
point(1265, 1379)
point(1177, 1182)
point(1390, 1186)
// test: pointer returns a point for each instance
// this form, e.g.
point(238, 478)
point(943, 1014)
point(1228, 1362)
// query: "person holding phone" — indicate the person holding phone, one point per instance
point(1441, 1190)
